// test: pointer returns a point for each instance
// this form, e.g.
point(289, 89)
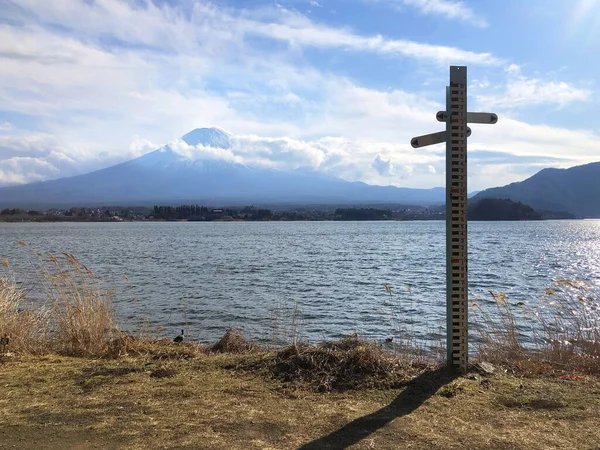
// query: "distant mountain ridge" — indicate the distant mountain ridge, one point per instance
point(166, 177)
point(575, 190)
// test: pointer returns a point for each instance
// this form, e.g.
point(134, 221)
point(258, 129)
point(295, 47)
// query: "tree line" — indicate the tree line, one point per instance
point(204, 213)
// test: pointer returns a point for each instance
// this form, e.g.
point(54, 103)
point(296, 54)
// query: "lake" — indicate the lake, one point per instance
point(252, 275)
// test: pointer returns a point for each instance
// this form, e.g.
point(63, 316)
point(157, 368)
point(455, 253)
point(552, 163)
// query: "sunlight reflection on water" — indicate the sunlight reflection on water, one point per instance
point(218, 275)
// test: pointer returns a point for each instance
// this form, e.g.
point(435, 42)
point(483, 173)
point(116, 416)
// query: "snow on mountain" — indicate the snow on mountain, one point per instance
point(201, 168)
point(208, 137)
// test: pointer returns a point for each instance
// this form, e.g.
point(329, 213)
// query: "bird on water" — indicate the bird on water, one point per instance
point(179, 338)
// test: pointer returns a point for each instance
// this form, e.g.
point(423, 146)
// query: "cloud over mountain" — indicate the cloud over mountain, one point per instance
point(194, 169)
point(300, 86)
point(382, 166)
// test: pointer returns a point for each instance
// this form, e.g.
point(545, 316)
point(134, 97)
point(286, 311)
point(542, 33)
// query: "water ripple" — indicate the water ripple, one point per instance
point(211, 276)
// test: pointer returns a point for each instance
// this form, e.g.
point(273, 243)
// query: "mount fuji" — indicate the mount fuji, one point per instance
point(164, 176)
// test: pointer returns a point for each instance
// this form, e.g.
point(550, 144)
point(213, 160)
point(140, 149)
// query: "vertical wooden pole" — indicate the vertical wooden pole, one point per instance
point(456, 219)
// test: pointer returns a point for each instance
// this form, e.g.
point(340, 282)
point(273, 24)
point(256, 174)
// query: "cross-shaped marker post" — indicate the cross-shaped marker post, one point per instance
point(455, 136)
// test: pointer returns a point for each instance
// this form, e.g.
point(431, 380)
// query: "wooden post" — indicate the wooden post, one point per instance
point(456, 118)
point(457, 329)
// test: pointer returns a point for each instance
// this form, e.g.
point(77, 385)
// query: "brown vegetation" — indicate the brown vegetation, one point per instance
point(564, 327)
point(351, 363)
point(233, 342)
point(203, 403)
point(78, 317)
point(26, 329)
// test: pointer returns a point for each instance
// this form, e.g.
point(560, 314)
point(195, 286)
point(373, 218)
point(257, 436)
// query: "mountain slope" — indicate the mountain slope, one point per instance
point(575, 190)
point(164, 176)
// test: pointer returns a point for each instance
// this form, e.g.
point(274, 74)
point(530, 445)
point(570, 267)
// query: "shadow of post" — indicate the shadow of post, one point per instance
point(414, 395)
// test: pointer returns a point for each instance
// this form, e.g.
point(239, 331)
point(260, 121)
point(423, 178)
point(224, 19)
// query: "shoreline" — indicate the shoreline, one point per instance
point(289, 220)
point(74, 380)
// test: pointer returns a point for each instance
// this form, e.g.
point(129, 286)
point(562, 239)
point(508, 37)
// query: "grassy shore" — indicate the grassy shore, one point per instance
point(72, 379)
point(216, 402)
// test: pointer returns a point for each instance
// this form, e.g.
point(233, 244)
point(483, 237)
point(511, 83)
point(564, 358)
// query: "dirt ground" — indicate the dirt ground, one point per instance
point(206, 403)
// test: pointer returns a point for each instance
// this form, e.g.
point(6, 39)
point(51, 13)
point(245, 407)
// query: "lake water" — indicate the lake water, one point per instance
point(212, 276)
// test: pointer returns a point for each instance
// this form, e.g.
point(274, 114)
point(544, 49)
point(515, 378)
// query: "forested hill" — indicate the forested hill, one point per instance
point(575, 190)
point(501, 209)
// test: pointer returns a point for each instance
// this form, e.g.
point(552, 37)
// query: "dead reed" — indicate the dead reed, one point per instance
point(286, 324)
point(26, 328)
point(404, 341)
point(77, 317)
point(561, 331)
point(499, 339)
point(572, 331)
point(82, 315)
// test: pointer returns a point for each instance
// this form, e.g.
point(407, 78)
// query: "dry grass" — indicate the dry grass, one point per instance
point(286, 324)
point(351, 363)
point(564, 328)
point(64, 402)
point(26, 328)
point(82, 311)
point(78, 317)
point(500, 341)
point(573, 330)
point(234, 342)
point(160, 349)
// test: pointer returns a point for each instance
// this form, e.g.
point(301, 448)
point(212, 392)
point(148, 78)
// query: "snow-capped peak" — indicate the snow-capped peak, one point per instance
point(208, 137)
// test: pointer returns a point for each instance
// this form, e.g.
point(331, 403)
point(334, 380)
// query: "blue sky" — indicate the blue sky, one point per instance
point(338, 87)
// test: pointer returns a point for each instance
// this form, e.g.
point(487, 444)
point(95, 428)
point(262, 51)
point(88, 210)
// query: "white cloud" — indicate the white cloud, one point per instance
point(523, 91)
point(455, 10)
point(201, 152)
point(29, 145)
point(118, 89)
point(377, 162)
point(32, 156)
point(6, 126)
point(299, 32)
point(212, 29)
point(140, 146)
point(502, 174)
point(383, 166)
point(17, 170)
point(99, 103)
point(523, 139)
point(513, 69)
point(8, 178)
point(480, 84)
